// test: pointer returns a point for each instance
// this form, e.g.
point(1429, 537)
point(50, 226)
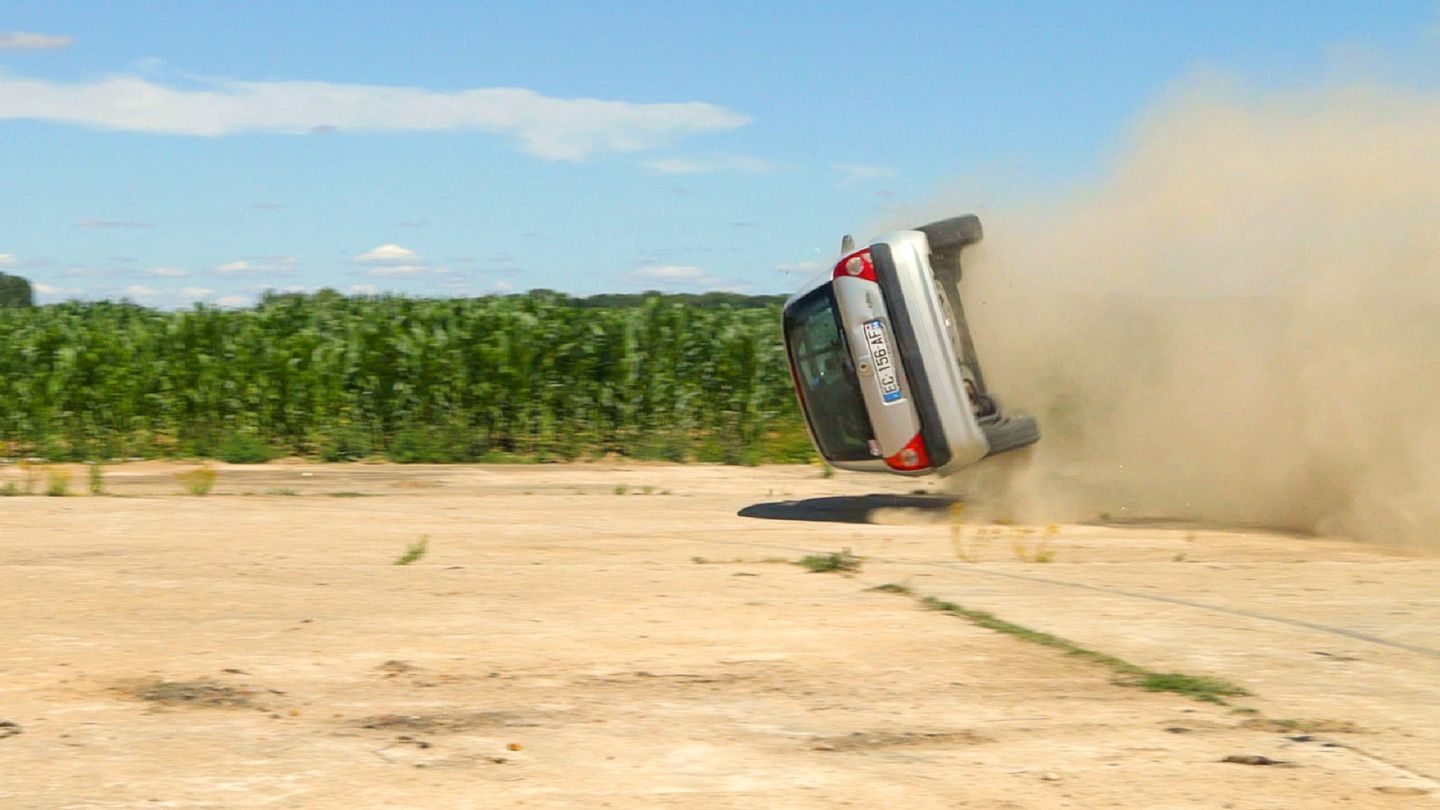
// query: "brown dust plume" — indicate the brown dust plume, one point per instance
point(1238, 324)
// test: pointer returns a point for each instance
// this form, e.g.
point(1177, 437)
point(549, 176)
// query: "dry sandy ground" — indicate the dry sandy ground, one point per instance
point(634, 636)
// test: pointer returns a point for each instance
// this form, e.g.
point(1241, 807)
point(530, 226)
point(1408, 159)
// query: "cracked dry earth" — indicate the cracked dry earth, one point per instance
point(604, 635)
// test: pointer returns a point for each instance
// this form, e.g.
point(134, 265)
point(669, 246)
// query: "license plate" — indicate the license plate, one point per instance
point(883, 360)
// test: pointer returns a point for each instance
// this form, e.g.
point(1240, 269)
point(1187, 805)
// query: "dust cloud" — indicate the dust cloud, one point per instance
point(1238, 324)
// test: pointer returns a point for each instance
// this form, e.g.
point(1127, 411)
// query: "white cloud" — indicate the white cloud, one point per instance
point(28, 41)
point(234, 301)
point(363, 289)
point(9, 260)
point(548, 127)
point(397, 270)
point(388, 254)
point(670, 272)
point(392, 260)
point(46, 289)
point(707, 165)
point(140, 291)
point(502, 286)
point(168, 272)
point(857, 172)
point(196, 292)
point(672, 276)
point(260, 266)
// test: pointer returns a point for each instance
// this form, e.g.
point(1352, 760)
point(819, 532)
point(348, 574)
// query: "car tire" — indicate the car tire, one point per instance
point(953, 233)
point(1018, 430)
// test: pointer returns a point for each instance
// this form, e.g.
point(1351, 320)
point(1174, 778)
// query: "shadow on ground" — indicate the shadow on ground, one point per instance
point(848, 508)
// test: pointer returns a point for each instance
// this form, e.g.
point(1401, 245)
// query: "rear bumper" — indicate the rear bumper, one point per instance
point(953, 438)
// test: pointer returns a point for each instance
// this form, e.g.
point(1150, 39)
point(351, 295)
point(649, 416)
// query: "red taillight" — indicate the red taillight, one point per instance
point(856, 265)
point(911, 457)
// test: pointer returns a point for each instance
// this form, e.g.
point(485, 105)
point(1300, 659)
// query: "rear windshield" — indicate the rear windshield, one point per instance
point(829, 389)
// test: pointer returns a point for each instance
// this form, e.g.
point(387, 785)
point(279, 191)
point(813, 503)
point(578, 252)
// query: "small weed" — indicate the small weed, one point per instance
point(1199, 687)
point(664, 492)
point(1040, 551)
point(192, 693)
point(837, 561)
point(1244, 710)
point(893, 587)
point(415, 551)
point(281, 491)
point(621, 489)
point(826, 471)
point(57, 483)
point(1179, 557)
point(957, 534)
point(198, 481)
point(97, 479)
point(1302, 726)
point(647, 490)
point(32, 476)
point(349, 494)
point(9, 490)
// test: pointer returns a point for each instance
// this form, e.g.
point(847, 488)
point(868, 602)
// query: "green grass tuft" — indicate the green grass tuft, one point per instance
point(415, 551)
point(836, 561)
point(198, 481)
point(57, 483)
point(1199, 687)
point(894, 587)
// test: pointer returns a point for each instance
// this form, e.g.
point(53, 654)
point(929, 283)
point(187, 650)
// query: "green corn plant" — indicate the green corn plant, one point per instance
point(532, 376)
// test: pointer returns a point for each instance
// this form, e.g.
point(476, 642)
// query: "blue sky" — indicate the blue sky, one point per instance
point(172, 152)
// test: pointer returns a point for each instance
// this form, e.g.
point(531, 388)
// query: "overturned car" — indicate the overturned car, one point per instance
point(883, 360)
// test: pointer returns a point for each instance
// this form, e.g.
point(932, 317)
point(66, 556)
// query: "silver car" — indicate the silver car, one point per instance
point(884, 364)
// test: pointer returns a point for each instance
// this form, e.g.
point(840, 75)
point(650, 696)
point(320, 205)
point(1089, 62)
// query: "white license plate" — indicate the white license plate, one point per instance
point(883, 360)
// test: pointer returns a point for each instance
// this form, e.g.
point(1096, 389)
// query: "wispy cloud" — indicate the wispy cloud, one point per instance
point(806, 267)
point(851, 173)
point(677, 276)
point(111, 223)
point(258, 266)
point(568, 129)
point(363, 289)
point(234, 301)
point(168, 272)
point(29, 41)
point(11, 261)
point(397, 270)
point(708, 165)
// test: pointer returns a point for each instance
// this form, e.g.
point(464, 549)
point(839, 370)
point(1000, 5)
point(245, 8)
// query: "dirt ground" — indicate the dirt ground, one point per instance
point(603, 635)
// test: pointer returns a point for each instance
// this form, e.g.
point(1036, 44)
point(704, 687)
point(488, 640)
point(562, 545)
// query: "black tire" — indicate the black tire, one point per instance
point(1019, 430)
point(953, 233)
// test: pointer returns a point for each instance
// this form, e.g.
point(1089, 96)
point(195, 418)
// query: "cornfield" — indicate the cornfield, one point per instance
point(533, 377)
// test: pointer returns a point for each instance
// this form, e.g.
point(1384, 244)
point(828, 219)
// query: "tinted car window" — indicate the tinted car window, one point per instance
point(829, 389)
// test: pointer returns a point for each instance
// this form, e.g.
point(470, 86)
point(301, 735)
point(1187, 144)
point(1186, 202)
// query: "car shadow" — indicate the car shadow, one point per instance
point(846, 508)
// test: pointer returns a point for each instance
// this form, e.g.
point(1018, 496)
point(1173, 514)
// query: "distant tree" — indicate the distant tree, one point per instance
point(15, 292)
